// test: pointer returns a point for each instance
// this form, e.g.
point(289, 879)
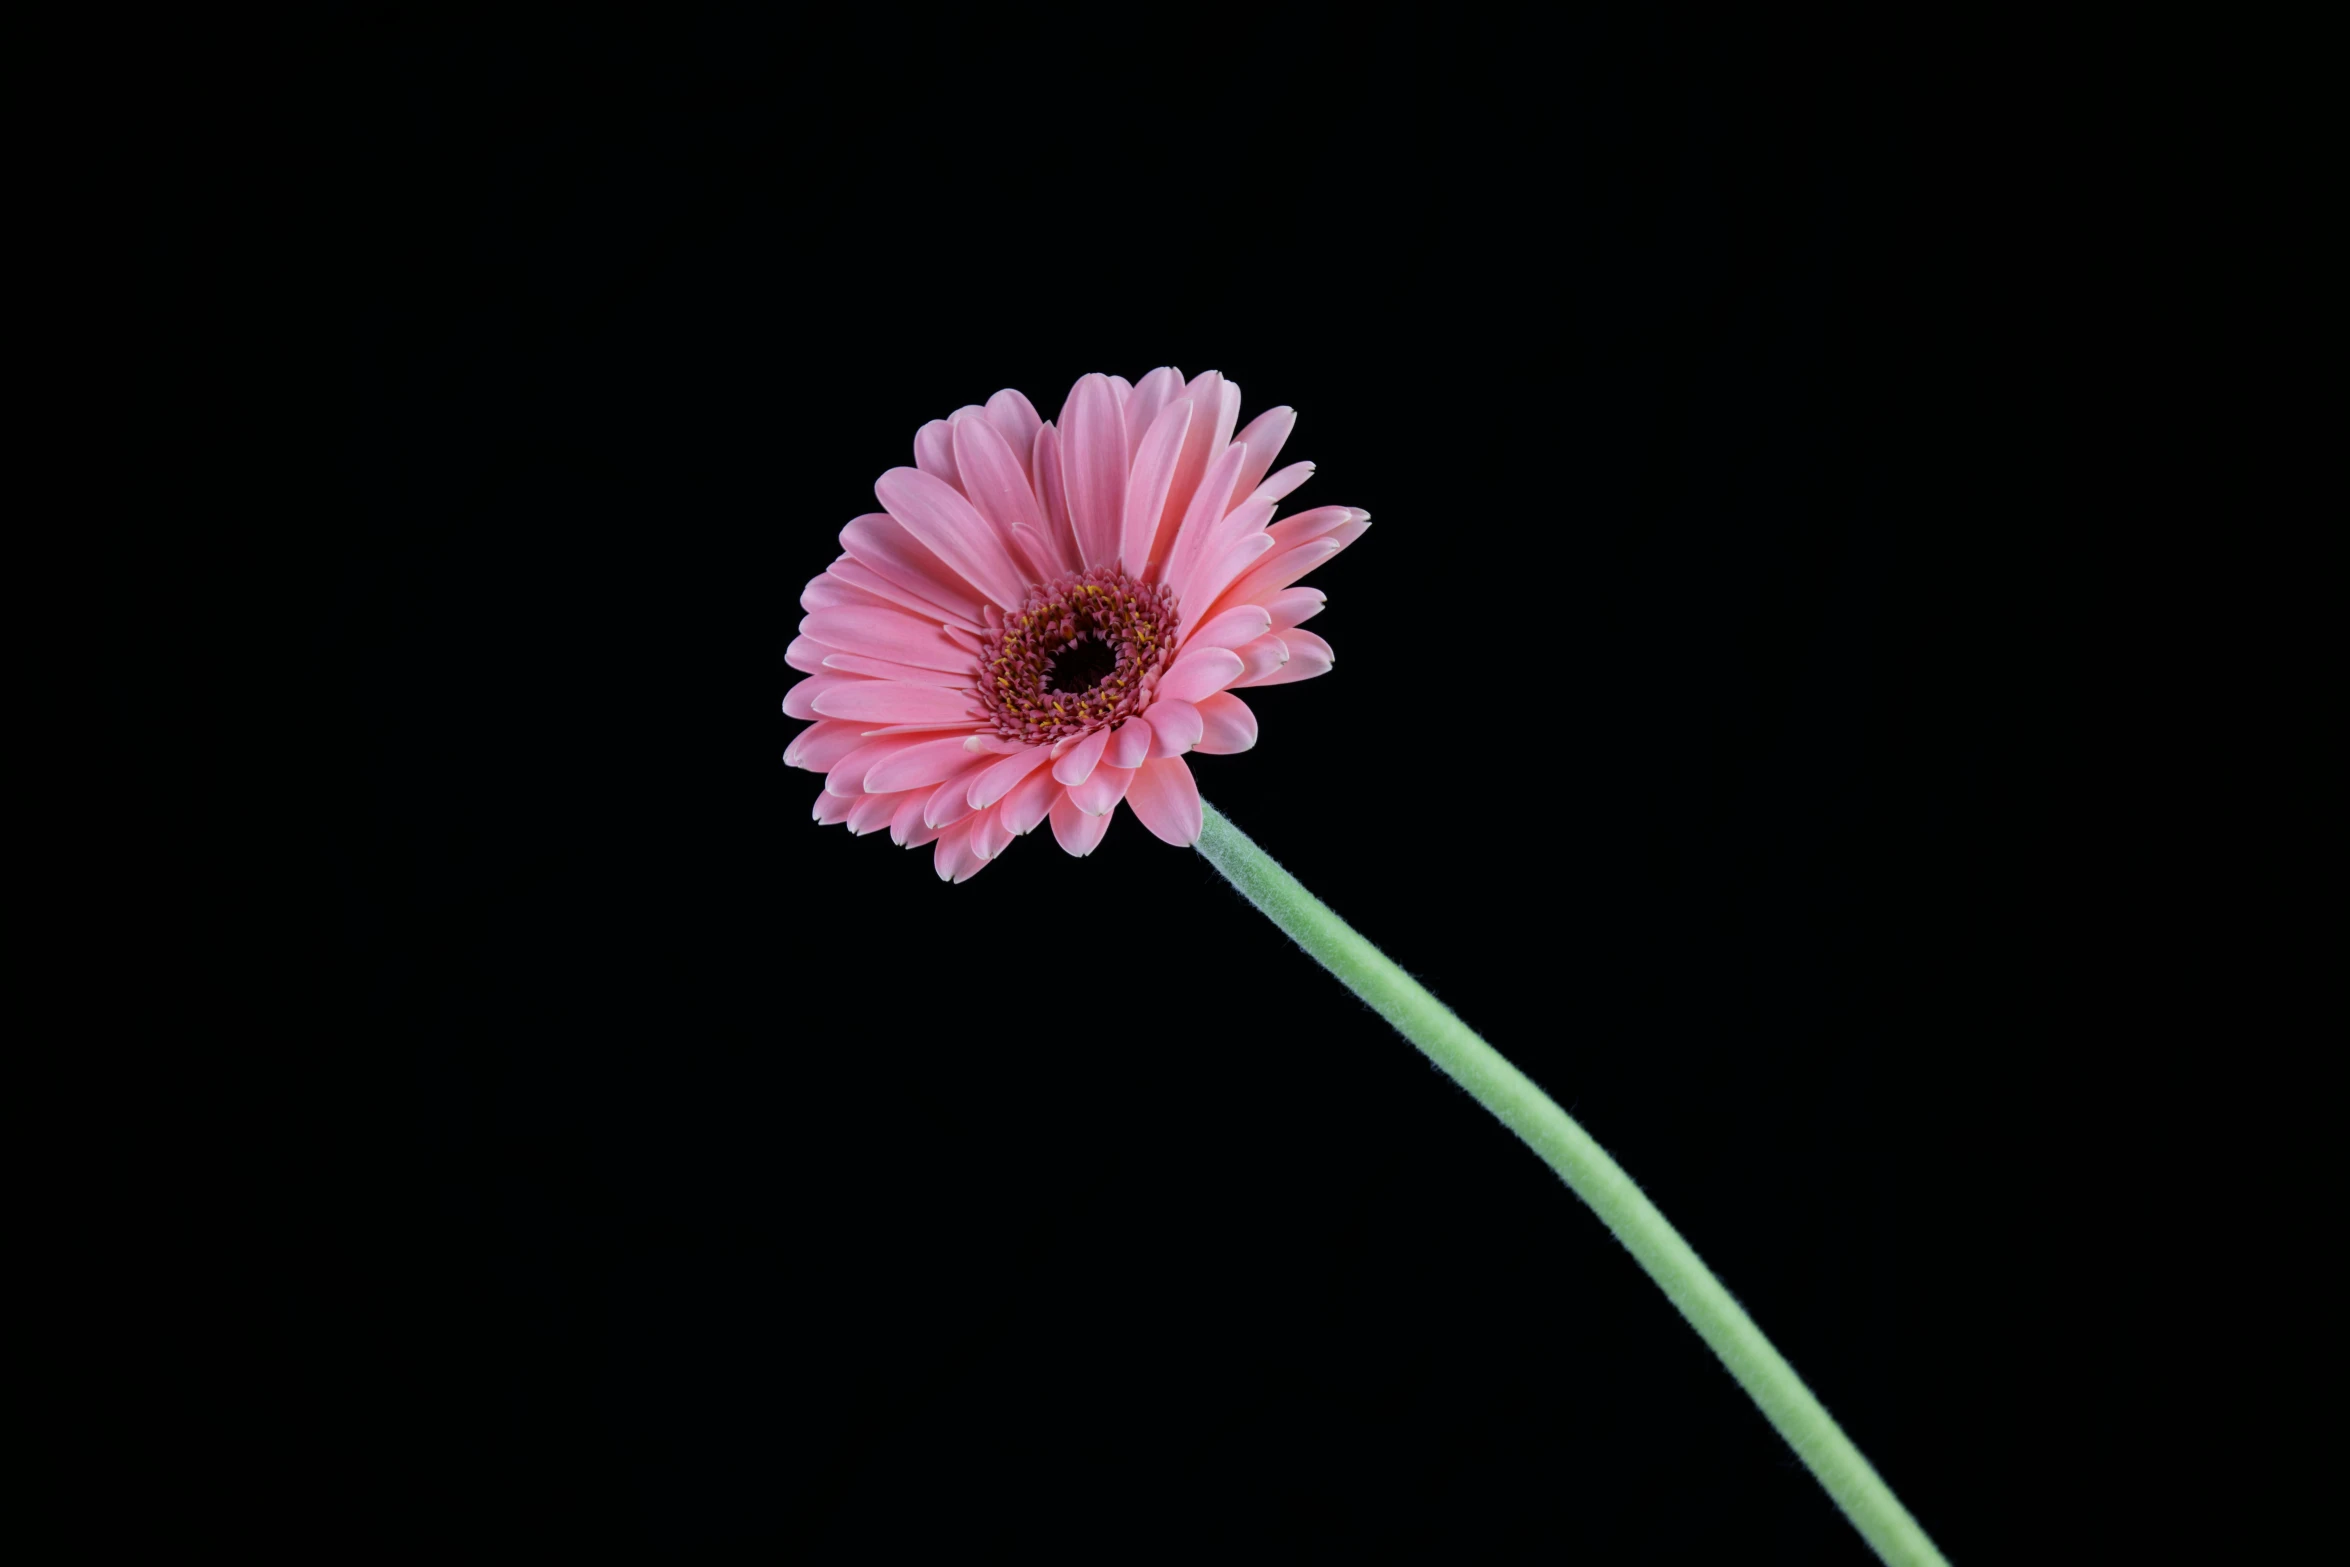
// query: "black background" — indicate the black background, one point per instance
point(626, 1162)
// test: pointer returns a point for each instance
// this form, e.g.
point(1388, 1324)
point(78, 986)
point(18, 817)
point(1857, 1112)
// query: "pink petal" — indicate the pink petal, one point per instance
point(917, 832)
point(1295, 606)
point(1093, 468)
point(1218, 402)
point(922, 763)
point(1175, 727)
point(833, 809)
point(871, 586)
point(989, 835)
point(961, 726)
point(934, 451)
point(1015, 419)
point(1276, 571)
point(821, 744)
point(1146, 486)
point(1290, 532)
point(994, 479)
point(1052, 493)
point(806, 654)
point(800, 700)
point(936, 513)
point(1260, 659)
point(1036, 553)
point(1235, 628)
point(1216, 543)
point(886, 633)
point(1151, 394)
point(1249, 517)
point(1272, 490)
point(1078, 832)
point(906, 820)
point(1165, 798)
point(826, 589)
point(1198, 598)
point(1264, 437)
point(871, 813)
point(997, 779)
point(907, 674)
point(1309, 656)
point(1076, 762)
point(847, 776)
point(1130, 744)
point(885, 548)
point(1102, 790)
point(1263, 581)
point(955, 858)
point(1198, 673)
point(1031, 800)
point(1198, 526)
point(888, 702)
point(1230, 726)
point(949, 802)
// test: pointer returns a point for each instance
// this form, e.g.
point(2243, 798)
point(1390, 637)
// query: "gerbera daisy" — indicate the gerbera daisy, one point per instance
point(1042, 619)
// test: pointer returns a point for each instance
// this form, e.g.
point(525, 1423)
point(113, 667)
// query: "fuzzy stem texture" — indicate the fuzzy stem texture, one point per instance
point(1653, 1242)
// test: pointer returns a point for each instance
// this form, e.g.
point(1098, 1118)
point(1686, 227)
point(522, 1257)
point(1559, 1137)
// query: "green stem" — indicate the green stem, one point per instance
point(1526, 1110)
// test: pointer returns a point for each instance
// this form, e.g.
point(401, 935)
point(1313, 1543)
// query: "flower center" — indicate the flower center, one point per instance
point(1081, 651)
point(1080, 665)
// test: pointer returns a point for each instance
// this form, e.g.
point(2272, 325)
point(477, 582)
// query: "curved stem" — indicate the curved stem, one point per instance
point(1526, 1110)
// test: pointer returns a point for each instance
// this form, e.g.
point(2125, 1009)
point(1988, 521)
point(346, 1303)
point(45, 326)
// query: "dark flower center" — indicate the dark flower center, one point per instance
point(1081, 651)
point(1077, 667)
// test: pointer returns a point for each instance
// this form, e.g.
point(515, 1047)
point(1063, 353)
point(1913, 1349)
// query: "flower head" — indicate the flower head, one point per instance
point(1042, 619)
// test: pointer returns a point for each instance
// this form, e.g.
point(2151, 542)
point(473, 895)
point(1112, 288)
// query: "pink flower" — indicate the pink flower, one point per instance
point(1041, 620)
